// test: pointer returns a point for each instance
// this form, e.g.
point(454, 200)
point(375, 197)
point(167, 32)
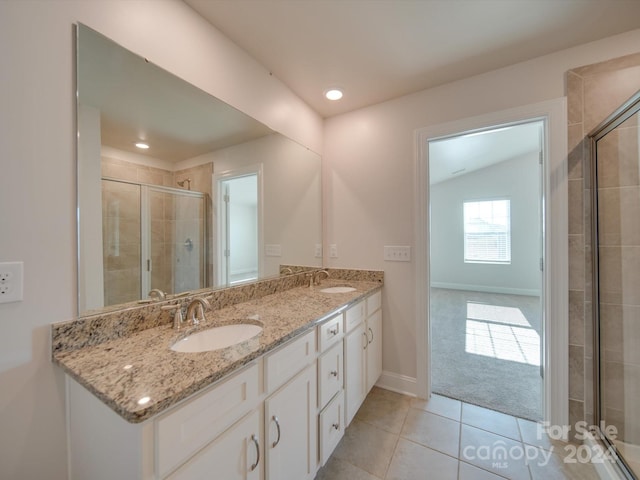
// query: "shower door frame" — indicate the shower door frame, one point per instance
point(618, 117)
point(146, 265)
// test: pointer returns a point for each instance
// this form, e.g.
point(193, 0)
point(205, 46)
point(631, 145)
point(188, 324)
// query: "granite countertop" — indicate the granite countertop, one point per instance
point(124, 371)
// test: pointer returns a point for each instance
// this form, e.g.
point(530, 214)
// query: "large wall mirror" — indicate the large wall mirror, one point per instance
point(178, 191)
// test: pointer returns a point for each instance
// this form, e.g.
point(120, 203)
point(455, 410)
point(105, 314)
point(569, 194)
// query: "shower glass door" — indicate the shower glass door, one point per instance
point(153, 237)
point(616, 282)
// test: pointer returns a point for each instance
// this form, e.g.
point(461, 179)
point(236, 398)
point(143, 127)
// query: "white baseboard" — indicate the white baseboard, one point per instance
point(397, 383)
point(487, 289)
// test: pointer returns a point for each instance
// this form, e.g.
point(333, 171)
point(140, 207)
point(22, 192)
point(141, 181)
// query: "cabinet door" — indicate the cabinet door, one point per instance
point(355, 345)
point(234, 455)
point(374, 348)
point(291, 429)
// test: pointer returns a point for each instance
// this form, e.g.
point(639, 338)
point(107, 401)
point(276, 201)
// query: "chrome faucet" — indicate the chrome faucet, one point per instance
point(316, 280)
point(196, 308)
point(286, 271)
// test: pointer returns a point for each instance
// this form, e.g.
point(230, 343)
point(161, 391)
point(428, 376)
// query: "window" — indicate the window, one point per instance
point(487, 231)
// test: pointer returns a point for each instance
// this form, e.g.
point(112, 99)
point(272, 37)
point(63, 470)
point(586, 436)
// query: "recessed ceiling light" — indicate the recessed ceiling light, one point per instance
point(142, 145)
point(333, 94)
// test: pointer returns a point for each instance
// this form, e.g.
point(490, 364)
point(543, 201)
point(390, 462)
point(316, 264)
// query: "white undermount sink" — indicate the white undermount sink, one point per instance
point(338, 289)
point(217, 337)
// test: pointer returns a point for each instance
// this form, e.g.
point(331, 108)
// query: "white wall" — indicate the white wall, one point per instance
point(37, 181)
point(291, 195)
point(515, 180)
point(368, 171)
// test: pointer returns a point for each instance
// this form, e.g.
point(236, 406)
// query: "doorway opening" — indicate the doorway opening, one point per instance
point(555, 284)
point(238, 225)
point(486, 259)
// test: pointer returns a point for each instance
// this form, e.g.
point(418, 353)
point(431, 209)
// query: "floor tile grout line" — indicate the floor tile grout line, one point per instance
point(395, 447)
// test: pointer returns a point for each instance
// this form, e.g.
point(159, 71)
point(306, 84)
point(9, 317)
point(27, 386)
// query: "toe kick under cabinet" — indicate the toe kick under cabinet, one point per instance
point(278, 418)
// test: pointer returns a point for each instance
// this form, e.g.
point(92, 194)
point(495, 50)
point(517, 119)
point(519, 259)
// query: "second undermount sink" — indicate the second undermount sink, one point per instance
point(343, 289)
point(217, 337)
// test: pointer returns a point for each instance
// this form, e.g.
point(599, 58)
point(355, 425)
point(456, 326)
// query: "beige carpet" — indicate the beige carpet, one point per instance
point(485, 350)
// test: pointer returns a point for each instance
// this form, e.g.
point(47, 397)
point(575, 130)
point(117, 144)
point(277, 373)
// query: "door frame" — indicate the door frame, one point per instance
point(555, 252)
point(217, 179)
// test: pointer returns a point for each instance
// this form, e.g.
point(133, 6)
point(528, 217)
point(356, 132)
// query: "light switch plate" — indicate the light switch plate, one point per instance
point(397, 253)
point(273, 250)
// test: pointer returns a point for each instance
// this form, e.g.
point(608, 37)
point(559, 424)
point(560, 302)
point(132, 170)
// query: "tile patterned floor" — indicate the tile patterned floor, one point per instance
point(396, 437)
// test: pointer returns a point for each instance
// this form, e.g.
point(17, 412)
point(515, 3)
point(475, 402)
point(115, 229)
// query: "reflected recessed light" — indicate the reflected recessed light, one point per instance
point(144, 400)
point(142, 145)
point(333, 94)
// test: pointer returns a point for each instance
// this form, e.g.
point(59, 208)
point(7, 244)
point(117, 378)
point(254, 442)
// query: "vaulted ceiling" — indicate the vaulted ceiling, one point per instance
point(377, 50)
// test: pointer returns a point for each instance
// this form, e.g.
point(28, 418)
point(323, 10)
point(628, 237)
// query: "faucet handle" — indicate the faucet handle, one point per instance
point(177, 316)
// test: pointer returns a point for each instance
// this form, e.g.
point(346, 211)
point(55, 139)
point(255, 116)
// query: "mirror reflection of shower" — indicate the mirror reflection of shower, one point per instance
point(153, 238)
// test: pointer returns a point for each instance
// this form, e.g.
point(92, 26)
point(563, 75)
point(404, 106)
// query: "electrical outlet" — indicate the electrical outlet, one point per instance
point(318, 250)
point(11, 282)
point(333, 251)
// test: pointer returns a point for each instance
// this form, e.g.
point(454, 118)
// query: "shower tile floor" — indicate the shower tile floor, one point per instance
point(397, 437)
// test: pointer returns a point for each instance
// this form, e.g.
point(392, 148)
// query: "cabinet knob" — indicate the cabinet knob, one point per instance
point(336, 426)
point(371, 339)
point(334, 373)
point(334, 331)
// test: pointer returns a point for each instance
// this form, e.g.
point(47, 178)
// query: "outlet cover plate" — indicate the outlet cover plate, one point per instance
point(11, 281)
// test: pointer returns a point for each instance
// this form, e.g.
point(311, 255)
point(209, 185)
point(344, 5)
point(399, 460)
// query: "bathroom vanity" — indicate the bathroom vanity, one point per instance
point(271, 407)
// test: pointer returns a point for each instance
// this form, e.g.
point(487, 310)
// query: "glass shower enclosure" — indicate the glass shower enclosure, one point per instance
point(153, 238)
point(615, 191)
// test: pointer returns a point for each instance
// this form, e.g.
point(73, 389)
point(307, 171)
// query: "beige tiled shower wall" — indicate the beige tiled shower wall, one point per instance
point(593, 93)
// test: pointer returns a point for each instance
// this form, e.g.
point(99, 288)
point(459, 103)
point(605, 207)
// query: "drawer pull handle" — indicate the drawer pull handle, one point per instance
point(371, 331)
point(366, 340)
point(275, 419)
point(336, 426)
point(334, 373)
point(255, 442)
point(335, 331)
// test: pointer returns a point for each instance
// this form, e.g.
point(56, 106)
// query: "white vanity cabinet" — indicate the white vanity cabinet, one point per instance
point(234, 455)
point(374, 339)
point(290, 411)
point(180, 443)
point(290, 429)
point(330, 386)
point(278, 418)
point(362, 351)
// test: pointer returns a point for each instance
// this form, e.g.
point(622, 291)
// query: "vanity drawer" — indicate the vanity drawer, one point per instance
point(330, 333)
point(331, 425)
point(282, 365)
point(330, 374)
point(373, 302)
point(354, 316)
point(183, 432)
